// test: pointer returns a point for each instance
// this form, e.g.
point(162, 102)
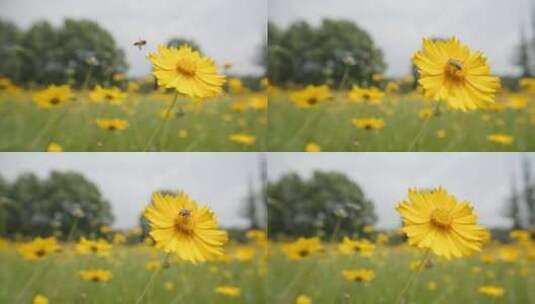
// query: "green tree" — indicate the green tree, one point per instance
point(56, 205)
point(522, 56)
point(337, 51)
point(512, 210)
point(10, 37)
point(326, 202)
point(176, 42)
point(250, 208)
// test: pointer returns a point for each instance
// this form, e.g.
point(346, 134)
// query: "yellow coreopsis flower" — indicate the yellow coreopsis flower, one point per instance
point(235, 86)
point(178, 225)
point(186, 71)
point(312, 147)
point(372, 95)
point(369, 123)
point(242, 138)
point(38, 248)
point(358, 275)
point(303, 299)
point(311, 96)
point(153, 265)
point(112, 124)
point(491, 290)
point(53, 96)
point(54, 147)
point(500, 138)
point(449, 71)
point(227, 290)
point(96, 275)
point(39, 299)
point(113, 95)
point(99, 247)
point(302, 248)
point(436, 221)
point(348, 246)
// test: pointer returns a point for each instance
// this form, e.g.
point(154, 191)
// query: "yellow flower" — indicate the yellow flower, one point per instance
point(245, 253)
point(113, 95)
point(378, 77)
point(311, 96)
point(183, 134)
point(491, 290)
point(242, 138)
point(53, 96)
point(372, 95)
point(392, 87)
point(235, 86)
point(358, 275)
point(449, 71)
point(228, 290)
point(425, 114)
point(518, 101)
point(500, 138)
point(509, 253)
point(95, 275)
point(38, 248)
point(99, 247)
point(302, 248)
point(435, 220)
point(431, 285)
point(258, 102)
point(152, 265)
point(112, 124)
point(364, 247)
point(40, 299)
point(258, 236)
point(520, 235)
point(312, 147)
point(382, 238)
point(119, 77)
point(169, 285)
point(186, 71)
point(441, 134)
point(119, 239)
point(369, 123)
point(133, 87)
point(178, 225)
point(303, 299)
point(105, 229)
point(54, 147)
point(528, 83)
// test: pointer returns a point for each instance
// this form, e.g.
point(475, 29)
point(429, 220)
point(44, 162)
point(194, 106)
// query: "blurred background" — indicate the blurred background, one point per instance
point(42, 194)
point(58, 41)
point(314, 43)
point(310, 194)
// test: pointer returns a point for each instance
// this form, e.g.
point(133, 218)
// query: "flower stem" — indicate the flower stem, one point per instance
point(167, 112)
point(436, 110)
point(413, 277)
point(152, 277)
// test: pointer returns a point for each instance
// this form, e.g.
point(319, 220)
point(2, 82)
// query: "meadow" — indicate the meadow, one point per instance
point(320, 278)
point(57, 277)
point(151, 124)
point(411, 123)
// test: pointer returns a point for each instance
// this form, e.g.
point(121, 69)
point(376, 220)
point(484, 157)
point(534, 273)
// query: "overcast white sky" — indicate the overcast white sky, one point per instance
point(227, 30)
point(482, 178)
point(398, 26)
point(220, 179)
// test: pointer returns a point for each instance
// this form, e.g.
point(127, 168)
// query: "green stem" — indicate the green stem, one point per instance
point(413, 277)
point(422, 129)
point(151, 280)
point(151, 139)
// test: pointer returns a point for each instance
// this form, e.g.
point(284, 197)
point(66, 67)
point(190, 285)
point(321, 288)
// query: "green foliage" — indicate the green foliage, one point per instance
point(53, 206)
point(177, 42)
point(79, 52)
point(337, 50)
point(326, 202)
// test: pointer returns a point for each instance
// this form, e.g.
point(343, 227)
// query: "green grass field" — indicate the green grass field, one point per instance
point(328, 124)
point(57, 278)
point(26, 127)
point(321, 279)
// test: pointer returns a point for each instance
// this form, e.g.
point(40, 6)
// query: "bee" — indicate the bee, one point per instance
point(185, 212)
point(456, 64)
point(140, 43)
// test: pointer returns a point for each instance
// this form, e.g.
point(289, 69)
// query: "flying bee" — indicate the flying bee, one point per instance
point(140, 43)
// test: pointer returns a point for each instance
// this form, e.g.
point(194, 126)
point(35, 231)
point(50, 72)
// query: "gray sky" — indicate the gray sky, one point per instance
point(219, 180)
point(229, 30)
point(481, 178)
point(398, 26)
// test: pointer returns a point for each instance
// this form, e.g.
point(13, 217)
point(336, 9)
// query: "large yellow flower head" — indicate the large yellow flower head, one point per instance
point(449, 71)
point(113, 95)
point(178, 225)
point(186, 71)
point(38, 248)
point(53, 96)
point(436, 221)
point(311, 96)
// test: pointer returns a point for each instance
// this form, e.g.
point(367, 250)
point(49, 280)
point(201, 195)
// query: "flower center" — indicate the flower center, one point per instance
point(303, 253)
point(54, 101)
point(454, 69)
point(183, 222)
point(40, 253)
point(186, 67)
point(312, 101)
point(441, 218)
